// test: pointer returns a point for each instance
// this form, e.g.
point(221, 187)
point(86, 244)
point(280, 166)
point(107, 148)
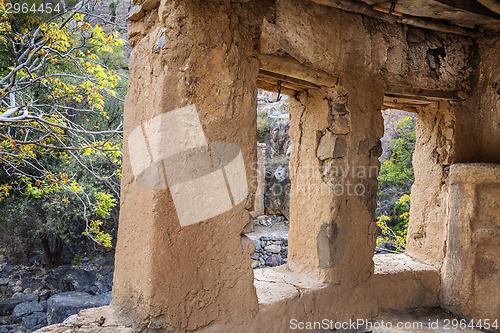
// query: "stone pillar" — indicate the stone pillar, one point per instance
point(200, 57)
point(434, 153)
point(471, 271)
point(333, 169)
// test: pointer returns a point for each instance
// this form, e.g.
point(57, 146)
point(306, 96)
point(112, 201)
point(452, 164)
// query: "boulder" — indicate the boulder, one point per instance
point(8, 305)
point(25, 309)
point(34, 320)
point(273, 260)
point(10, 328)
point(105, 283)
point(256, 241)
point(33, 284)
point(68, 278)
point(8, 270)
point(278, 141)
point(273, 248)
point(44, 295)
point(277, 189)
point(63, 305)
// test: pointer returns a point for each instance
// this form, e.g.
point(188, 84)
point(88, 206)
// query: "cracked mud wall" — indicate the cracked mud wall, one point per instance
point(478, 125)
point(335, 41)
point(333, 169)
point(471, 271)
point(203, 54)
point(434, 153)
point(350, 45)
point(454, 208)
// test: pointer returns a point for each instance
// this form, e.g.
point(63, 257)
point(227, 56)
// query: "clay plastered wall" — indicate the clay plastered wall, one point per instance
point(186, 53)
point(433, 155)
point(204, 53)
point(447, 133)
point(333, 171)
point(471, 273)
point(334, 41)
point(478, 125)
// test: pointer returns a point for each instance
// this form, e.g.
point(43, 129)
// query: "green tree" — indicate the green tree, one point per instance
point(398, 170)
point(60, 120)
point(112, 10)
point(395, 178)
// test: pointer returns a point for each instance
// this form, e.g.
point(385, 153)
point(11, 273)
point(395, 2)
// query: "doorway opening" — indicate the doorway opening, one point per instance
point(272, 198)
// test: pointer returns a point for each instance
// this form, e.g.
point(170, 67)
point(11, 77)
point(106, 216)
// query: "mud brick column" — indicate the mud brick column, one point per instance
point(434, 153)
point(185, 54)
point(471, 271)
point(333, 169)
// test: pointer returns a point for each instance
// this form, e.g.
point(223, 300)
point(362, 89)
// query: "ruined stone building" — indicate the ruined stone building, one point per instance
point(341, 62)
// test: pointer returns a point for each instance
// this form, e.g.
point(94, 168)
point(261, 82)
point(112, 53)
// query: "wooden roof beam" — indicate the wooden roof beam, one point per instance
point(422, 94)
point(288, 79)
point(360, 7)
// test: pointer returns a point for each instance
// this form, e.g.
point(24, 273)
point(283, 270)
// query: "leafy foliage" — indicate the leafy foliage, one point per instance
point(395, 237)
point(395, 179)
point(398, 170)
point(263, 126)
point(61, 102)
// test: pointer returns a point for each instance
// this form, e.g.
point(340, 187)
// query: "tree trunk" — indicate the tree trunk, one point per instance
point(52, 246)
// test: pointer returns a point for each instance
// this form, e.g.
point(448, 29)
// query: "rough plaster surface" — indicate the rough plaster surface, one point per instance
point(478, 119)
point(326, 206)
point(188, 277)
point(471, 272)
point(429, 194)
point(335, 41)
point(199, 277)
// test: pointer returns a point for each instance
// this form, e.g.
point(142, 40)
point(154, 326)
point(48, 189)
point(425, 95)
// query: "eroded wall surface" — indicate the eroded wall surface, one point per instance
point(478, 124)
point(471, 272)
point(187, 53)
point(333, 172)
point(206, 54)
point(434, 153)
point(336, 41)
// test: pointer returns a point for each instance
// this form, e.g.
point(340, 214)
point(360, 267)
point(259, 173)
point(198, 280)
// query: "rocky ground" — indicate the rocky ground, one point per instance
point(33, 296)
point(270, 238)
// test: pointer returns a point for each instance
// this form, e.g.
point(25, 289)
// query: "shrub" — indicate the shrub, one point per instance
point(263, 126)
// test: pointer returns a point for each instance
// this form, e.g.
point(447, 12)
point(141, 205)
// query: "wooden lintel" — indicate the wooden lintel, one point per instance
point(407, 99)
point(288, 79)
point(284, 84)
point(405, 104)
point(290, 67)
point(274, 88)
point(409, 108)
point(428, 94)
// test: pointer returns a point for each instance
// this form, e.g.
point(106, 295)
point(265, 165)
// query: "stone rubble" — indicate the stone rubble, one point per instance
point(32, 297)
